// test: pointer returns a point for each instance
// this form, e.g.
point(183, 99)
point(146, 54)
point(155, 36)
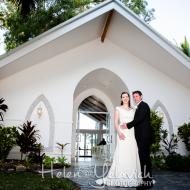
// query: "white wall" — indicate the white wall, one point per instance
point(58, 77)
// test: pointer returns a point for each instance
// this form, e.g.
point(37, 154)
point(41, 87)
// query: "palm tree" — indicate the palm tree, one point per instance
point(61, 147)
point(27, 139)
point(3, 108)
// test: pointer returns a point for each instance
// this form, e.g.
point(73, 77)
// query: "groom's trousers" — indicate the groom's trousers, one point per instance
point(145, 161)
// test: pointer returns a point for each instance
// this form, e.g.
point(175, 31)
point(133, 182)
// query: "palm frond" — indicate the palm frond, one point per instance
point(3, 108)
point(185, 47)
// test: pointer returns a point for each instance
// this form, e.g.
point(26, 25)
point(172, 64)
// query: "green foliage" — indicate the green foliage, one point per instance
point(33, 181)
point(184, 133)
point(140, 8)
point(172, 161)
point(36, 158)
point(62, 160)
point(20, 29)
point(161, 135)
point(24, 6)
point(47, 161)
point(28, 162)
point(169, 145)
point(158, 162)
point(156, 124)
point(177, 162)
point(56, 163)
point(3, 108)
point(23, 20)
point(7, 140)
point(184, 46)
point(27, 139)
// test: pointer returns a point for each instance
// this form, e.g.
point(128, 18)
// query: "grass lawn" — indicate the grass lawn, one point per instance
point(32, 181)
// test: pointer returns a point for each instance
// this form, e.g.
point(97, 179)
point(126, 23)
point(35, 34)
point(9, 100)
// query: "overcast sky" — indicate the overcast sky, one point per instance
point(172, 20)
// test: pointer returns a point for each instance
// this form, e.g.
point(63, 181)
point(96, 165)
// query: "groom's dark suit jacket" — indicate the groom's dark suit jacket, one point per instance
point(141, 123)
point(143, 135)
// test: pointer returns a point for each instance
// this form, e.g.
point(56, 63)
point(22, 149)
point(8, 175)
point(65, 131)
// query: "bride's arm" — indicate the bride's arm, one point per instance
point(139, 116)
point(116, 121)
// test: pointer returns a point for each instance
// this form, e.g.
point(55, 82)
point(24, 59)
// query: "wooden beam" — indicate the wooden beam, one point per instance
point(106, 26)
point(97, 116)
point(99, 104)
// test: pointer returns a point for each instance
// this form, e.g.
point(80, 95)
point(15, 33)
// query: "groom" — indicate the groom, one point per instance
point(143, 135)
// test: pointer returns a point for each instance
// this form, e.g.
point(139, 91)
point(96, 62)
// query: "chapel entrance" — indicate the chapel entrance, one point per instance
point(93, 136)
point(95, 97)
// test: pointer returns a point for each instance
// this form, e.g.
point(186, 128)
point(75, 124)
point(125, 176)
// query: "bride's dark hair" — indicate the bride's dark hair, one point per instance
point(129, 103)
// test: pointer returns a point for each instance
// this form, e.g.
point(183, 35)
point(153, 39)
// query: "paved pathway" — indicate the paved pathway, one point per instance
point(165, 180)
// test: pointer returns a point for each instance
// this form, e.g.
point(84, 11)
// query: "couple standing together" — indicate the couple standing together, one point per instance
point(131, 166)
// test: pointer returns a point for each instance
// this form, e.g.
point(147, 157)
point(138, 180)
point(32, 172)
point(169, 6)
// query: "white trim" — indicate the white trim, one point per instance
point(93, 92)
point(159, 104)
point(42, 98)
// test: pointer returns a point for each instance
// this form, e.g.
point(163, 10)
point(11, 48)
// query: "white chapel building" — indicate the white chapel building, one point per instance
point(80, 67)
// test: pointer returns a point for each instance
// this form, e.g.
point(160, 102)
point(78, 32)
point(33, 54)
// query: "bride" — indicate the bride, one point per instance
point(125, 170)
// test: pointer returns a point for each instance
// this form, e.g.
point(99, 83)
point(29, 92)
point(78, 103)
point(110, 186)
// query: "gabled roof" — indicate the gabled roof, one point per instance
point(126, 30)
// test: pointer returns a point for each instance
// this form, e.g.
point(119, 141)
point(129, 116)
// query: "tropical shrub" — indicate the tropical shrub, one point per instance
point(27, 139)
point(62, 160)
point(36, 156)
point(156, 124)
point(158, 162)
point(48, 161)
point(169, 145)
point(184, 134)
point(177, 162)
point(3, 109)
point(7, 140)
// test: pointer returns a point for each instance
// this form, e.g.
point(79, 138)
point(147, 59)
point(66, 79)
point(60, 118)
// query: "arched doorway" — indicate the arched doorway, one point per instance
point(98, 114)
point(104, 85)
point(93, 137)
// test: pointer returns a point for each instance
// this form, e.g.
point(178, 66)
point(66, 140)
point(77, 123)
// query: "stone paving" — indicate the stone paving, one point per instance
point(165, 180)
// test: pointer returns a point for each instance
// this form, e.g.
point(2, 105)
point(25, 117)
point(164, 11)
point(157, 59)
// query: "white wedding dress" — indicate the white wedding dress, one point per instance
point(125, 170)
